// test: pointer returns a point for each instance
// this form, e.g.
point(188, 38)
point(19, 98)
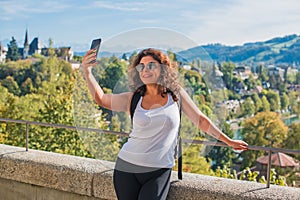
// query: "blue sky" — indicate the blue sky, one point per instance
point(75, 22)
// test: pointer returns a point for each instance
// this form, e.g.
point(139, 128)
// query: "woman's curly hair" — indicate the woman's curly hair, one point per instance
point(168, 80)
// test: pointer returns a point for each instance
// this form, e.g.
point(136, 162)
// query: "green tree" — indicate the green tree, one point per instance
point(225, 172)
point(114, 72)
point(221, 156)
point(57, 109)
point(274, 99)
point(195, 81)
point(77, 58)
point(16, 76)
point(298, 78)
point(233, 95)
point(264, 129)
point(251, 83)
point(293, 99)
point(13, 50)
point(282, 87)
point(262, 74)
point(291, 142)
point(27, 86)
point(124, 57)
point(12, 133)
point(275, 81)
point(30, 105)
point(237, 83)
point(193, 161)
point(248, 107)
point(291, 78)
point(227, 70)
point(51, 51)
point(172, 56)
point(12, 86)
point(257, 102)
point(265, 104)
point(284, 101)
point(4, 94)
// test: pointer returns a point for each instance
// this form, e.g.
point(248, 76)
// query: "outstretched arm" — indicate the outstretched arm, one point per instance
point(205, 124)
point(115, 102)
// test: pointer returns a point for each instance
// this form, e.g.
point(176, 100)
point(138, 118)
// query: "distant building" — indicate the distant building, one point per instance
point(26, 46)
point(35, 47)
point(231, 105)
point(291, 72)
point(243, 72)
point(273, 70)
point(293, 87)
point(187, 67)
point(29, 49)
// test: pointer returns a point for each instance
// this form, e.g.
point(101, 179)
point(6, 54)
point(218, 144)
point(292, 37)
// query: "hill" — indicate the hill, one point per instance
point(277, 50)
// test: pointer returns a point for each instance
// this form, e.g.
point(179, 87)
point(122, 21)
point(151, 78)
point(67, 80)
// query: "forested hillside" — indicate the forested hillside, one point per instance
point(277, 50)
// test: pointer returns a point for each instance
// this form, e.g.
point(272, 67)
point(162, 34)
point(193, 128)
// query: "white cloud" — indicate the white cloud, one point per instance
point(121, 6)
point(244, 21)
point(18, 9)
point(109, 5)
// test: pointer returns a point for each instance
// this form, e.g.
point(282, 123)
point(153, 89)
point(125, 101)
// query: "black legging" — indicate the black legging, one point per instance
point(138, 185)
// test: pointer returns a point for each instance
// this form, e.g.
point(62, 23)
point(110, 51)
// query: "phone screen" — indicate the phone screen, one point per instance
point(96, 45)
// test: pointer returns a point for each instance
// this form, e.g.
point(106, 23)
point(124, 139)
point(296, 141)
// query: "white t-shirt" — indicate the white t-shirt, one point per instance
point(153, 138)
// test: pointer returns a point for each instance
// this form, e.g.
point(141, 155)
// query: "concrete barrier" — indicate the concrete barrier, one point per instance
point(46, 175)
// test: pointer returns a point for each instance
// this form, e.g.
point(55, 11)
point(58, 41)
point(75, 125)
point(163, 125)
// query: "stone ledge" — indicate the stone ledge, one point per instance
point(93, 178)
point(53, 170)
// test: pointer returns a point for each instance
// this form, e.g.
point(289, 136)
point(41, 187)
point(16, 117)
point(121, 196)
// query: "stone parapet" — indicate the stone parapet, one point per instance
point(45, 175)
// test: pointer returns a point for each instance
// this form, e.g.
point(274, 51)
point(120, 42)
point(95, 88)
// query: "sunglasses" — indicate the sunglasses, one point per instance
point(150, 66)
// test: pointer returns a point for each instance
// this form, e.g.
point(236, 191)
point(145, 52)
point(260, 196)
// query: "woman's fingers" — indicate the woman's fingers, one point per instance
point(88, 59)
point(241, 148)
point(240, 145)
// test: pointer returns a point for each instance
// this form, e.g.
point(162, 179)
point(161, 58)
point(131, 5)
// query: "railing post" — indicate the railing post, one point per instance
point(269, 169)
point(26, 136)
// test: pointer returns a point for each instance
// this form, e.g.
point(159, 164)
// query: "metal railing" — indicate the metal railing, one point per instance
point(270, 150)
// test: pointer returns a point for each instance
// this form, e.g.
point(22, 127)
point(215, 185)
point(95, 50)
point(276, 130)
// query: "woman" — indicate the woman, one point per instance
point(144, 163)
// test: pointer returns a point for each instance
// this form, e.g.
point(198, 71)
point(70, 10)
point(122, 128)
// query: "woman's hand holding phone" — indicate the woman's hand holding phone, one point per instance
point(89, 59)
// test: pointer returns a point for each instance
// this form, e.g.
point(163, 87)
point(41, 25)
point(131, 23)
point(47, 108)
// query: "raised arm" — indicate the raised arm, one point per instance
point(115, 102)
point(205, 124)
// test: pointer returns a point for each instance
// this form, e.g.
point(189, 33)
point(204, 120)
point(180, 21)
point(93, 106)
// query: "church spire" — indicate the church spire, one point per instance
point(26, 46)
point(26, 38)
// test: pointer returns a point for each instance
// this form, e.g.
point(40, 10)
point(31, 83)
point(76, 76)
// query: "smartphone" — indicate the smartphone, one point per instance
point(96, 45)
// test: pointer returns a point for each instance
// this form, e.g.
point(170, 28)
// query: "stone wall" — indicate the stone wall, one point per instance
point(45, 175)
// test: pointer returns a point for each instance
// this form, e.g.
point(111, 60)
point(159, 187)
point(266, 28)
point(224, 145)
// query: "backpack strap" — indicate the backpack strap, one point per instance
point(134, 101)
point(179, 145)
